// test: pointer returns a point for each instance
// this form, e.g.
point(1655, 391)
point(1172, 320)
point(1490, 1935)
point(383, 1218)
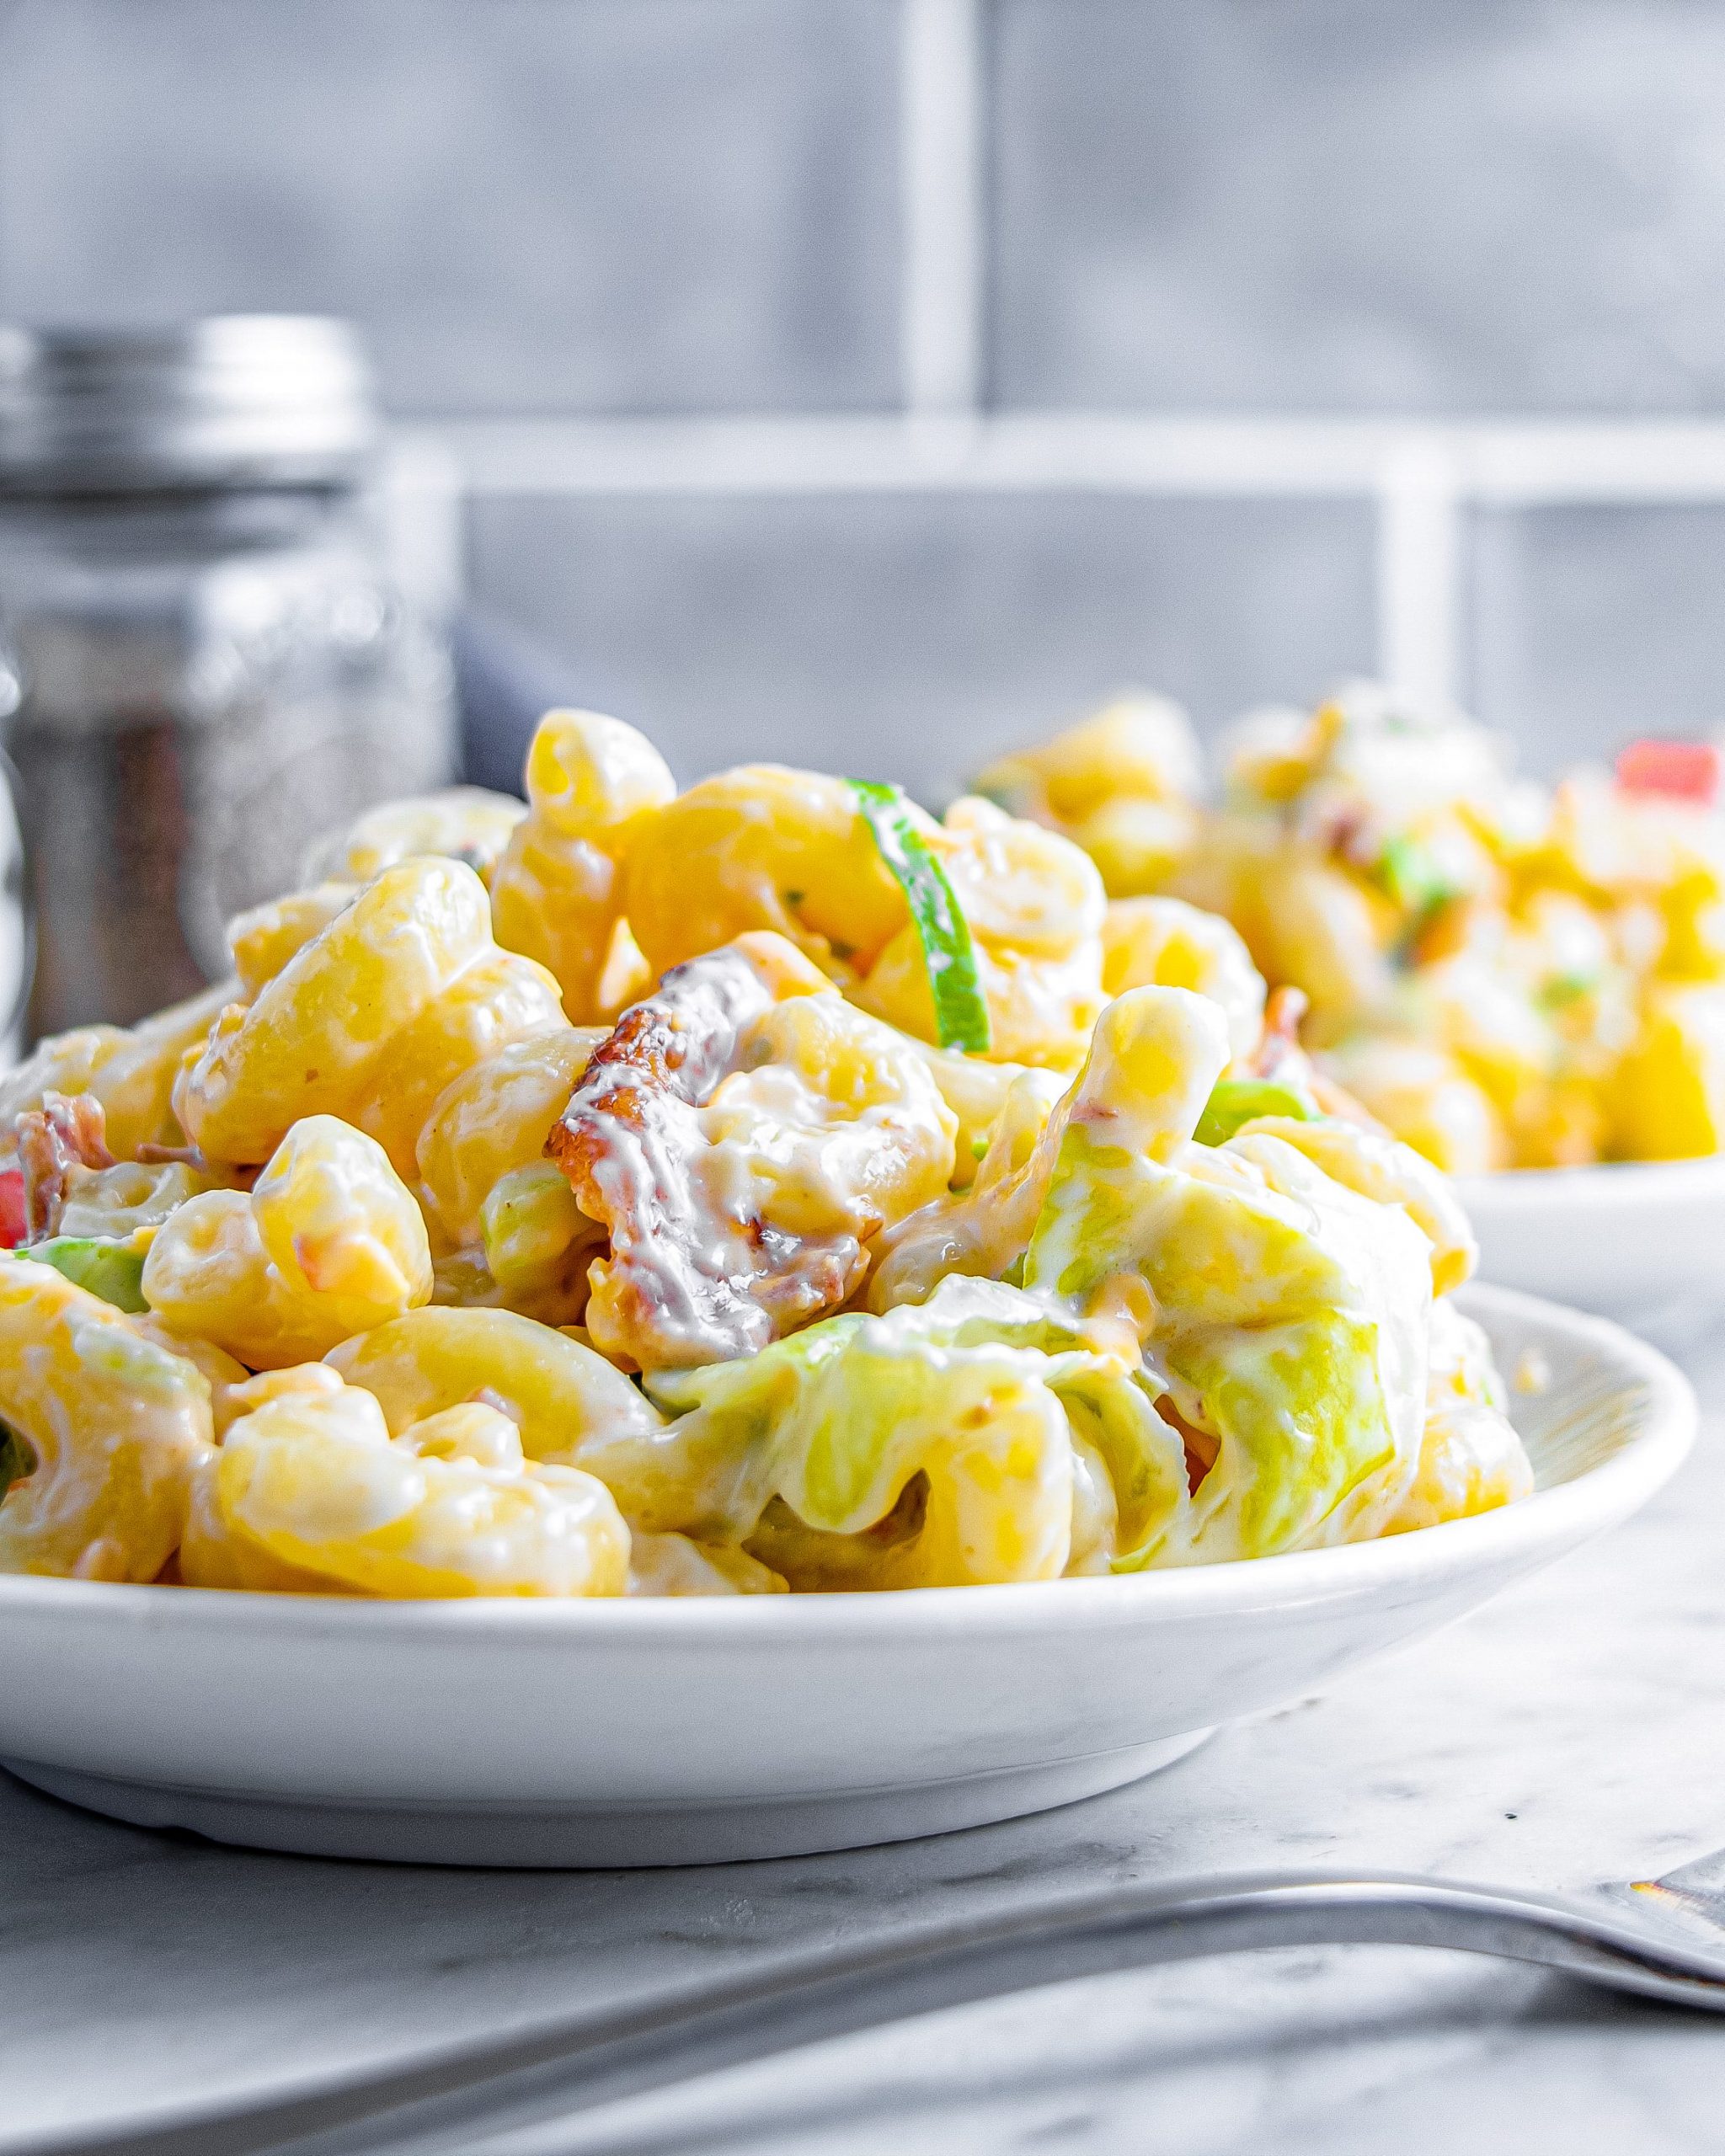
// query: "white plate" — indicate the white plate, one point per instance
point(688, 1732)
point(1631, 1239)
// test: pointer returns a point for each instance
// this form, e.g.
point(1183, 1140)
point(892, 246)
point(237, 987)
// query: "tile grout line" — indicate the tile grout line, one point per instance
point(1420, 572)
point(1487, 464)
point(1418, 594)
point(1421, 478)
point(941, 299)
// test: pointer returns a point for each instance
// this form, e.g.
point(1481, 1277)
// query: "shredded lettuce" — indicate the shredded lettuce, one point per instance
point(960, 1007)
point(981, 1390)
point(1286, 1312)
point(114, 1271)
point(1413, 877)
point(1234, 1102)
point(1290, 1321)
point(1559, 991)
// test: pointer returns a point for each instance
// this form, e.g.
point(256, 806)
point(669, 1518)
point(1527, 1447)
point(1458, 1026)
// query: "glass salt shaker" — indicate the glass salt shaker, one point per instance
point(212, 658)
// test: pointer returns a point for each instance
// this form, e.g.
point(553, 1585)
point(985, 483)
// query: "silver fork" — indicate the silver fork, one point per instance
point(1660, 1939)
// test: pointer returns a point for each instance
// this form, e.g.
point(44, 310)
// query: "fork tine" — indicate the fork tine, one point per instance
point(1703, 1876)
point(1696, 1911)
point(1692, 1895)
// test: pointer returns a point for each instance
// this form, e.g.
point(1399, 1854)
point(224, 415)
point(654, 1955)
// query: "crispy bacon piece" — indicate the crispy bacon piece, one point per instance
point(683, 1284)
point(65, 1133)
point(1279, 1054)
point(188, 1156)
point(1202, 1448)
point(191, 1156)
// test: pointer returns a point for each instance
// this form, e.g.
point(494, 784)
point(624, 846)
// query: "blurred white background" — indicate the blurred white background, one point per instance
point(871, 382)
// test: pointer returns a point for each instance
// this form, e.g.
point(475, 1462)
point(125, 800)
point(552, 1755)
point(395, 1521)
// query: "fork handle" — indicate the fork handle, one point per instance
point(480, 2097)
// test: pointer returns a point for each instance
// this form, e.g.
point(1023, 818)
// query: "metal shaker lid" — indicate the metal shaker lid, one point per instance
point(239, 400)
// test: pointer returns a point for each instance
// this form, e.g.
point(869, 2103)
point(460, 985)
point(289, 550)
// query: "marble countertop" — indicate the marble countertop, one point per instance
point(1568, 1733)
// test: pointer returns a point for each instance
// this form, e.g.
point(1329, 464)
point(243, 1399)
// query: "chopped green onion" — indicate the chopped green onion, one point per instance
point(1413, 877)
point(1561, 990)
point(960, 1008)
point(17, 1458)
point(1236, 1101)
point(114, 1271)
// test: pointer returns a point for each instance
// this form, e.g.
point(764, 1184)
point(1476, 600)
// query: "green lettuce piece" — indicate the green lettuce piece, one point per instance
point(1557, 992)
point(835, 1421)
point(112, 1270)
point(948, 954)
point(1288, 1318)
point(1410, 874)
point(1236, 1101)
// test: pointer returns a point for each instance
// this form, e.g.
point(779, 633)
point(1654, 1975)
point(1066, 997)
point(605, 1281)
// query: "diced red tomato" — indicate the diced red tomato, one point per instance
point(14, 1223)
point(1689, 770)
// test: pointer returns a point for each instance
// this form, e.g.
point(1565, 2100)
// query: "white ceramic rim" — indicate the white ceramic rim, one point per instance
point(1628, 1184)
point(1566, 1514)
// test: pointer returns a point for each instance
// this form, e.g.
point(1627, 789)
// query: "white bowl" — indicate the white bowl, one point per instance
point(1632, 1240)
point(687, 1731)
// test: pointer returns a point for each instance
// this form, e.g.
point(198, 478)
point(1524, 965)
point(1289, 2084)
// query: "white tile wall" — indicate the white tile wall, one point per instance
point(1421, 478)
point(982, 302)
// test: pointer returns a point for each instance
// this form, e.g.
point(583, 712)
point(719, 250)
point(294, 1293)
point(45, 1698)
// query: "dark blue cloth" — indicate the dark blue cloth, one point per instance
point(504, 682)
